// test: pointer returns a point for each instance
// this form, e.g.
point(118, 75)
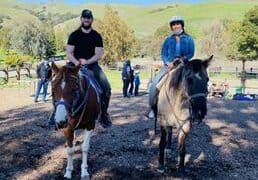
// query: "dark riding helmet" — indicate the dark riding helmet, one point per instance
point(177, 19)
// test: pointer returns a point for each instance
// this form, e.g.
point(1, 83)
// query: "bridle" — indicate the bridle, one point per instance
point(188, 99)
point(72, 111)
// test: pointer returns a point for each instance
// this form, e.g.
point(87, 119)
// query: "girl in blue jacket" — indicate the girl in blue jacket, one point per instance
point(178, 45)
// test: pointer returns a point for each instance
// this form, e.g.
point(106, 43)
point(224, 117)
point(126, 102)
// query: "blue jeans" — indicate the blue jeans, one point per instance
point(41, 84)
point(153, 91)
point(102, 80)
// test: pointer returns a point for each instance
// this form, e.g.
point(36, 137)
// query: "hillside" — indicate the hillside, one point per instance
point(143, 20)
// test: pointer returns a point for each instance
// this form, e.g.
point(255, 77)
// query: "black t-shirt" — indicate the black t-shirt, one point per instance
point(85, 43)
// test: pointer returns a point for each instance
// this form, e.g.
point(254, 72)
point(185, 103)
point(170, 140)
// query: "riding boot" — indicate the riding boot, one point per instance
point(105, 119)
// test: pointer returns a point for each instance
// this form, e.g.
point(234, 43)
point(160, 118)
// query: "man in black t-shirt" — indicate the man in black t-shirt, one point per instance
point(85, 47)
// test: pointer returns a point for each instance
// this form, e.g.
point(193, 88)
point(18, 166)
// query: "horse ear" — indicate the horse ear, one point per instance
point(207, 62)
point(54, 67)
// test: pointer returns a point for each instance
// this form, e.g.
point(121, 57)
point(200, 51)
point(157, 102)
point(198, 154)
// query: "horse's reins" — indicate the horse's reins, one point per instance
point(83, 104)
point(189, 98)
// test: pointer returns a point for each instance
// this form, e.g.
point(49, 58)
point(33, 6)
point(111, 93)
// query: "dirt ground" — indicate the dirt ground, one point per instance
point(224, 146)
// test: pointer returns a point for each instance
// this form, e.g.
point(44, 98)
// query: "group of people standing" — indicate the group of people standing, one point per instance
point(131, 80)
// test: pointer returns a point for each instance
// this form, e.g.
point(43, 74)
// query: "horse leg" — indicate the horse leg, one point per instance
point(169, 140)
point(155, 110)
point(181, 140)
point(70, 151)
point(162, 145)
point(85, 150)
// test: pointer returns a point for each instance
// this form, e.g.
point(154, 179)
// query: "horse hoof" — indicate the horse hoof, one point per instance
point(181, 172)
point(68, 175)
point(161, 169)
point(85, 178)
point(85, 175)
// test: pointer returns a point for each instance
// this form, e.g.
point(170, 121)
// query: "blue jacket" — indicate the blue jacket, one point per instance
point(137, 81)
point(168, 51)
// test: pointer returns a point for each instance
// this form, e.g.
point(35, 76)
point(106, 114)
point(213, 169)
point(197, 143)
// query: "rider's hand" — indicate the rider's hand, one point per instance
point(170, 66)
point(77, 63)
point(83, 61)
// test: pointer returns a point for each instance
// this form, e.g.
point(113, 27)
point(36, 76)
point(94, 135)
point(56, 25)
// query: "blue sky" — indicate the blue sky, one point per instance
point(137, 2)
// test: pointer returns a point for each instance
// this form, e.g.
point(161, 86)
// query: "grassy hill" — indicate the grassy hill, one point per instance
point(143, 20)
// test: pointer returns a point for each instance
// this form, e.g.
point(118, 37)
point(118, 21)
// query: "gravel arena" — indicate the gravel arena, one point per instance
point(223, 146)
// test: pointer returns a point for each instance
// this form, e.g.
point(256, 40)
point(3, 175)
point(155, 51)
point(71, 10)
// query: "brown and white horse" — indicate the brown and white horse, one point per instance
point(77, 106)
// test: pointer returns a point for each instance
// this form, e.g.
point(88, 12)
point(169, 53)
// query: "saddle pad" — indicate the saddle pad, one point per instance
point(89, 76)
point(163, 80)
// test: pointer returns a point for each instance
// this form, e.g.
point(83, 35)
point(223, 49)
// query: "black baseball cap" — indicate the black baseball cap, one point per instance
point(86, 13)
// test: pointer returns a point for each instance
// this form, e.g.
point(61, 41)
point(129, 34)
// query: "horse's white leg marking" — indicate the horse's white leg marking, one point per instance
point(69, 167)
point(85, 150)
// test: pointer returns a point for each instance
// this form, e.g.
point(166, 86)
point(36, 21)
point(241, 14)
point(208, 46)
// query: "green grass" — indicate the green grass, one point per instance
point(115, 79)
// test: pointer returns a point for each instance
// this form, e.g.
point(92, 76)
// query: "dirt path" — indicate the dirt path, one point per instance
point(224, 146)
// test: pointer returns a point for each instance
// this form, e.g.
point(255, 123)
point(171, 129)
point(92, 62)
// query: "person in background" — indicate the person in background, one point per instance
point(44, 74)
point(126, 77)
point(131, 82)
point(137, 83)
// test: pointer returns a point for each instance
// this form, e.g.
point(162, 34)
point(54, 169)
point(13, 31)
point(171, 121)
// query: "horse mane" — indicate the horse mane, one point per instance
point(177, 75)
point(66, 73)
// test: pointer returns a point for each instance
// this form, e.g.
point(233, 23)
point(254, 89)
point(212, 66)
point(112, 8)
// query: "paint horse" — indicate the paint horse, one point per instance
point(77, 106)
point(182, 100)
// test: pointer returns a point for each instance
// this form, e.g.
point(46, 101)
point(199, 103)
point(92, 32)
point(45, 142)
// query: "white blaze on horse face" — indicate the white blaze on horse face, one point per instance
point(63, 85)
point(197, 75)
point(61, 112)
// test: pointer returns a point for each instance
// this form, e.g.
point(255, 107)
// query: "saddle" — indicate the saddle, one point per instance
point(87, 75)
point(177, 63)
point(85, 81)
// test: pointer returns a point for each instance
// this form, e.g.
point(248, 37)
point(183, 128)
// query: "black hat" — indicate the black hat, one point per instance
point(86, 13)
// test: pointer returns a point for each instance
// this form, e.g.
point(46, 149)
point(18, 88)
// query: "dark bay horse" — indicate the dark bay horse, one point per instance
point(77, 107)
point(182, 100)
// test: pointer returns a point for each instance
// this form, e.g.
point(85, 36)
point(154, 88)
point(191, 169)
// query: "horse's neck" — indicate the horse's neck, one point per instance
point(177, 97)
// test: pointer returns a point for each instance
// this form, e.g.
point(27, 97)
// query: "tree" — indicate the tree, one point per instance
point(119, 41)
point(243, 40)
point(212, 41)
point(4, 39)
point(49, 42)
point(33, 39)
point(60, 40)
